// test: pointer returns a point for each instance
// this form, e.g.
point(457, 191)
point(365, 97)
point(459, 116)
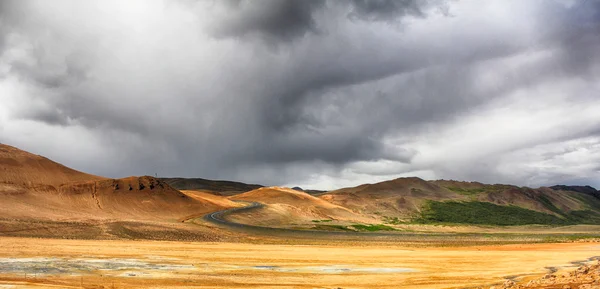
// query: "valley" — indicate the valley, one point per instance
point(61, 228)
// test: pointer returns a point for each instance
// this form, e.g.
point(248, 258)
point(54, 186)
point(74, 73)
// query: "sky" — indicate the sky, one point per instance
point(318, 94)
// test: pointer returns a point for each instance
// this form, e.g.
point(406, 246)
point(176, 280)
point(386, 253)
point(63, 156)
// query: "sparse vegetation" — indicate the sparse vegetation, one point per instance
point(467, 192)
point(373, 228)
point(332, 228)
point(392, 220)
point(548, 204)
point(321, 221)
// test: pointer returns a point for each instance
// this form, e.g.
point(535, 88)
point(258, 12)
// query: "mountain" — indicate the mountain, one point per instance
point(310, 192)
point(225, 188)
point(580, 189)
point(33, 187)
point(447, 201)
point(395, 198)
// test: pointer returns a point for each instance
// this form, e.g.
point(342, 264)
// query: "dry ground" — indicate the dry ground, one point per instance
point(162, 264)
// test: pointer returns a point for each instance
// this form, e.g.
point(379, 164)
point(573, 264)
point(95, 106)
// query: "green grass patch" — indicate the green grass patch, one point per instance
point(373, 228)
point(549, 205)
point(482, 213)
point(333, 228)
point(321, 221)
point(584, 217)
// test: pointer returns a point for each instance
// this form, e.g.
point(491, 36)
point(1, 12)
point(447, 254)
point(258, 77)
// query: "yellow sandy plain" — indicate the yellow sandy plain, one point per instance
point(232, 265)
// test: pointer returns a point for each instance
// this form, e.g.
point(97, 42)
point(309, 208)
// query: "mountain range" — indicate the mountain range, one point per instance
point(34, 187)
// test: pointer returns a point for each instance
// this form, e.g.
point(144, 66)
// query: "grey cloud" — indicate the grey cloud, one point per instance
point(354, 91)
point(273, 19)
point(388, 10)
point(288, 20)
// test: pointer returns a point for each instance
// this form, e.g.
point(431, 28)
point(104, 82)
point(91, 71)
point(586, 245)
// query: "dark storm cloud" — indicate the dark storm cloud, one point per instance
point(286, 20)
point(149, 92)
point(274, 19)
point(388, 10)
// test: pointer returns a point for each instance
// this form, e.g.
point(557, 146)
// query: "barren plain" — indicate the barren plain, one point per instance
point(52, 263)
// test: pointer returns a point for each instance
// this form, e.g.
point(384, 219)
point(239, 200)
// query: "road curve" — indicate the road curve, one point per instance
point(219, 218)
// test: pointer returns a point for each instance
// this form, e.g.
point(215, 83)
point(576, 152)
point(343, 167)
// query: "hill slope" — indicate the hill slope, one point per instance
point(580, 189)
point(21, 168)
point(286, 206)
point(34, 187)
point(396, 198)
point(413, 199)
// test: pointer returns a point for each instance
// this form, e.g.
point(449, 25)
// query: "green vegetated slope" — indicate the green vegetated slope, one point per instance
point(486, 213)
point(483, 213)
point(407, 200)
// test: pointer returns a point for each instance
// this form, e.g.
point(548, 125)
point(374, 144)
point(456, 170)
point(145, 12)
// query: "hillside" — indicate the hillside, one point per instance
point(225, 188)
point(399, 198)
point(310, 192)
point(442, 201)
point(286, 206)
point(18, 167)
point(580, 189)
point(207, 197)
point(34, 187)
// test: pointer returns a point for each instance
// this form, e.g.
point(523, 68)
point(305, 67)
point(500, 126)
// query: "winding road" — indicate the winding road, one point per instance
point(219, 218)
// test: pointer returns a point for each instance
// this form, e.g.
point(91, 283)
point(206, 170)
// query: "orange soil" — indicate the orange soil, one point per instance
point(34, 187)
point(230, 265)
point(286, 206)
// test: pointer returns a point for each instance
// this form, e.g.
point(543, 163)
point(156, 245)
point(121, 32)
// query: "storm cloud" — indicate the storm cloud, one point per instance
point(319, 94)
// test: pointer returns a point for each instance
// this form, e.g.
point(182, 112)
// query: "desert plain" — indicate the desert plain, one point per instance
point(53, 263)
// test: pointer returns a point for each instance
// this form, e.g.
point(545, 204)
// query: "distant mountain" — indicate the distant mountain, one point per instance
point(310, 192)
point(580, 189)
point(225, 188)
point(447, 201)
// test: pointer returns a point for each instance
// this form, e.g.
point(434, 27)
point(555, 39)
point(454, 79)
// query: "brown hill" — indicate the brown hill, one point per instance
point(401, 197)
point(209, 197)
point(34, 187)
point(132, 198)
point(455, 201)
point(21, 168)
point(289, 206)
